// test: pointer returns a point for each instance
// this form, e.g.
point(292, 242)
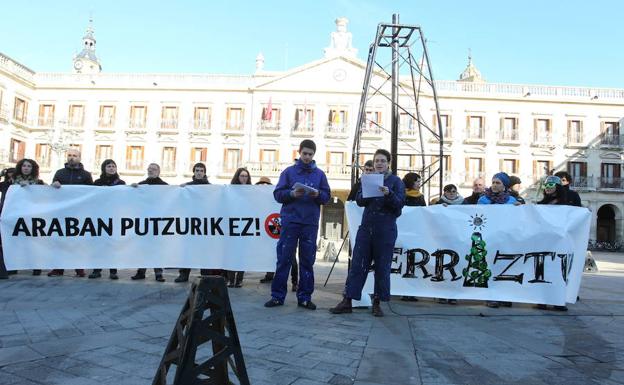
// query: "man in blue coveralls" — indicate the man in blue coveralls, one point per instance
point(302, 189)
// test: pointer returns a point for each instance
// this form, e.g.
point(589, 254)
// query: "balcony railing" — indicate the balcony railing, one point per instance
point(303, 128)
point(168, 167)
point(336, 128)
point(234, 126)
point(106, 122)
point(45, 121)
point(582, 182)
point(475, 133)
point(611, 140)
point(75, 123)
point(408, 131)
point(169, 124)
point(370, 130)
point(267, 125)
point(611, 183)
point(338, 170)
point(137, 123)
point(542, 138)
point(258, 169)
point(508, 135)
point(133, 165)
point(575, 139)
point(470, 177)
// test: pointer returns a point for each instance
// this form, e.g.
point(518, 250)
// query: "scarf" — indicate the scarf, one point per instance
point(413, 193)
point(497, 198)
point(27, 180)
point(457, 201)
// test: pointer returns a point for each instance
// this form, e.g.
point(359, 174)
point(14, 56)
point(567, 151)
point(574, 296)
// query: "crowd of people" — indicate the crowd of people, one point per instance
point(301, 190)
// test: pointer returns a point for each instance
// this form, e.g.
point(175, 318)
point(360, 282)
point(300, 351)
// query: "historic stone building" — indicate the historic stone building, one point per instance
point(257, 120)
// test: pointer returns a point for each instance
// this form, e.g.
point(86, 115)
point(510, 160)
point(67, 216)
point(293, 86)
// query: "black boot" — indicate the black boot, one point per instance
point(343, 307)
point(377, 312)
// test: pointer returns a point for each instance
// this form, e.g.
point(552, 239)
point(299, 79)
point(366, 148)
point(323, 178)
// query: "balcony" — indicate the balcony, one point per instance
point(582, 183)
point(575, 141)
point(542, 139)
point(168, 169)
point(408, 132)
point(611, 183)
point(44, 123)
point(25, 123)
point(105, 125)
point(469, 178)
point(4, 114)
point(268, 128)
point(509, 137)
point(234, 128)
point(336, 130)
point(302, 129)
point(168, 126)
point(75, 124)
point(270, 169)
point(447, 178)
point(370, 131)
point(608, 141)
point(475, 135)
point(337, 171)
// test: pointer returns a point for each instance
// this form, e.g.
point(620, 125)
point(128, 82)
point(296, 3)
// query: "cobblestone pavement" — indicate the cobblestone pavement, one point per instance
point(78, 331)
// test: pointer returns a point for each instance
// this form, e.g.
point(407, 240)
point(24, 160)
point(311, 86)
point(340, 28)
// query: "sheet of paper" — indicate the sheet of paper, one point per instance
point(371, 184)
point(308, 189)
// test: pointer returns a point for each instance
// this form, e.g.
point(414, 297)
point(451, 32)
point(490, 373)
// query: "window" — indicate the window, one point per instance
point(76, 115)
point(373, 122)
point(474, 167)
point(304, 119)
point(542, 131)
point(476, 127)
point(446, 166)
point(407, 124)
point(169, 117)
point(46, 115)
point(542, 168)
point(575, 131)
point(610, 133)
point(610, 175)
point(107, 117)
point(134, 157)
point(445, 123)
point(17, 150)
point(510, 166)
point(102, 152)
point(201, 119)
point(199, 154)
point(20, 110)
point(406, 163)
point(168, 159)
point(43, 154)
point(578, 172)
point(336, 162)
point(138, 116)
point(231, 159)
point(268, 156)
point(337, 120)
point(235, 118)
point(509, 128)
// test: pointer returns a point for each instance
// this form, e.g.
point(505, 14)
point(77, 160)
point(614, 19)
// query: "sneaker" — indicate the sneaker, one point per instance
point(238, 284)
point(295, 287)
point(159, 278)
point(55, 273)
point(307, 304)
point(541, 306)
point(377, 312)
point(492, 304)
point(266, 280)
point(137, 277)
point(273, 303)
point(441, 300)
point(181, 278)
point(560, 308)
point(113, 276)
point(80, 273)
point(506, 304)
point(95, 275)
point(409, 298)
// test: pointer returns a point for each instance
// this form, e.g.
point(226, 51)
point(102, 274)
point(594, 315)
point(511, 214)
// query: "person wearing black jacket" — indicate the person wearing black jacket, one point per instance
point(109, 177)
point(72, 174)
point(478, 188)
point(573, 197)
point(199, 178)
point(413, 196)
point(153, 178)
point(7, 173)
point(235, 278)
point(514, 188)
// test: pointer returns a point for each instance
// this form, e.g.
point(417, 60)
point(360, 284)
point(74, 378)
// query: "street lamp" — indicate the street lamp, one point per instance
point(59, 139)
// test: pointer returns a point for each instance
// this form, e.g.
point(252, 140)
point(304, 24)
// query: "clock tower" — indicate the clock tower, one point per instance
point(86, 62)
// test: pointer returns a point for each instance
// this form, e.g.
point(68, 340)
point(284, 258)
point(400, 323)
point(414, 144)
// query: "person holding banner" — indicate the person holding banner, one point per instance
point(235, 278)
point(109, 177)
point(413, 196)
point(573, 197)
point(450, 196)
point(7, 173)
point(26, 174)
point(199, 178)
point(153, 178)
point(72, 174)
point(498, 193)
point(375, 238)
point(302, 189)
point(478, 188)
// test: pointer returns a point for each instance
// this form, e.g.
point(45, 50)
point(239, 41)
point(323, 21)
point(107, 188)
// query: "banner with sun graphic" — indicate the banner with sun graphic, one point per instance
point(528, 253)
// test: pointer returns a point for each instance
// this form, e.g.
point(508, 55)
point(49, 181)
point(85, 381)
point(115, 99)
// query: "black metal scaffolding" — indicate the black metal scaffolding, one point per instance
point(398, 71)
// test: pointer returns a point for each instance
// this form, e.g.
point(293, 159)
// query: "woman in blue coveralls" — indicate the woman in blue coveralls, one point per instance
point(375, 239)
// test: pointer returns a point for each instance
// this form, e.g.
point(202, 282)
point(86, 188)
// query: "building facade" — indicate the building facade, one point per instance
point(257, 120)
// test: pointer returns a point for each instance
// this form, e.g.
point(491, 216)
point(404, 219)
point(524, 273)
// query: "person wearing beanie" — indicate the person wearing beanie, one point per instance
point(498, 193)
point(515, 184)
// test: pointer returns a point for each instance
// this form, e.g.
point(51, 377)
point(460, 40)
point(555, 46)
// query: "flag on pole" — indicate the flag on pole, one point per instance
point(268, 115)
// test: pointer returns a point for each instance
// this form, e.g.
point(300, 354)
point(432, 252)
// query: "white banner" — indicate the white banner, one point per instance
point(233, 227)
point(528, 253)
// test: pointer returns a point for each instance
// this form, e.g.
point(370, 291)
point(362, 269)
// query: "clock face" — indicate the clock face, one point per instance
point(78, 65)
point(340, 75)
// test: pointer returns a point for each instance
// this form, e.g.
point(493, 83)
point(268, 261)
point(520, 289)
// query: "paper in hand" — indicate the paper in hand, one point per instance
point(308, 190)
point(371, 184)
